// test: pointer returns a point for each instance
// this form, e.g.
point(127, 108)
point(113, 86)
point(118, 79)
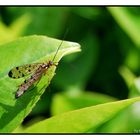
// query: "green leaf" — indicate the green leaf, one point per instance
point(128, 118)
point(120, 123)
point(77, 100)
point(26, 50)
point(9, 33)
point(82, 120)
point(129, 22)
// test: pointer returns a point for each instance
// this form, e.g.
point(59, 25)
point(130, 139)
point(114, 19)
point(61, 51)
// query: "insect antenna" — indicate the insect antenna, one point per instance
point(60, 44)
point(57, 50)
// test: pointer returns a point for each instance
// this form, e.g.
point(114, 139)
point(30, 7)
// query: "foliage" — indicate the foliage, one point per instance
point(84, 95)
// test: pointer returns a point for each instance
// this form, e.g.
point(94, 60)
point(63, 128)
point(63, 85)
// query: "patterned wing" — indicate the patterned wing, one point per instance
point(21, 71)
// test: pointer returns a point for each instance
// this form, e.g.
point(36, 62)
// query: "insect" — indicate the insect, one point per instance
point(36, 70)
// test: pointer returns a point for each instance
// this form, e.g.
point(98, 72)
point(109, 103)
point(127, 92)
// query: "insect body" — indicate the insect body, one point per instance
point(36, 70)
point(36, 73)
point(34, 77)
point(40, 69)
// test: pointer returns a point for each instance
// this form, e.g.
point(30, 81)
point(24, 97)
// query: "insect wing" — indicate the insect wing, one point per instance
point(21, 71)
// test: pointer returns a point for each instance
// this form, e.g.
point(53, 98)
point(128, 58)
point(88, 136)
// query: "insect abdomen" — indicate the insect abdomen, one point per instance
point(28, 83)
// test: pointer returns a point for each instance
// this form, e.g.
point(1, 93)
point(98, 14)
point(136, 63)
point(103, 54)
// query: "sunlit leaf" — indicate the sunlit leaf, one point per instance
point(26, 50)
point(82, 120)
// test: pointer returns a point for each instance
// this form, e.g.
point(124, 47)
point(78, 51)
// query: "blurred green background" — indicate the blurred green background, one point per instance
point(107, 69)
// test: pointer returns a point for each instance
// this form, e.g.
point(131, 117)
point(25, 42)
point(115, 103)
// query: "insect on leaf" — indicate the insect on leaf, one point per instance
point(38, 49)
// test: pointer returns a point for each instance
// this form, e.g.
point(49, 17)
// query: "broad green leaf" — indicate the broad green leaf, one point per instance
point(64, 102)
point(120, 123)
point(82, 120)
point(26, 50)
point(129, 22)
point(128, 120)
